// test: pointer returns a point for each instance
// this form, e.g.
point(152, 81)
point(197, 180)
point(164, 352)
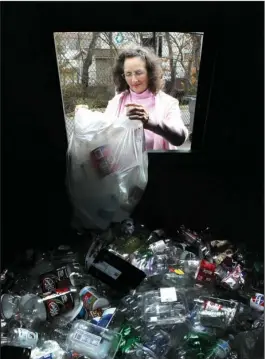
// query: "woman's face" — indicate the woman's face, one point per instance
point(135, 74)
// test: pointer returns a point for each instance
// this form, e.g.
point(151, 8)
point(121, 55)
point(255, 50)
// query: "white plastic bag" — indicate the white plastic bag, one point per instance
point(107, 168)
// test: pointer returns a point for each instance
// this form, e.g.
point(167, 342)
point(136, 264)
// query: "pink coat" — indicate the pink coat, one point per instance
point(166, 122)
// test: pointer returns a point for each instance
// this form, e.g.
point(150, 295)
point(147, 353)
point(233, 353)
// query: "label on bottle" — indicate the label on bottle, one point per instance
point(159, 246)
point(223, 349)
point(168, 295)
point(107, 269)
point(27, 338)
point(87, 338)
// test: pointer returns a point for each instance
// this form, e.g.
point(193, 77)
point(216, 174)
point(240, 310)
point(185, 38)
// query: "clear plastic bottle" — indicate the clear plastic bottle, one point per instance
point(221, 349)
point(27, 309)
point(21, 337)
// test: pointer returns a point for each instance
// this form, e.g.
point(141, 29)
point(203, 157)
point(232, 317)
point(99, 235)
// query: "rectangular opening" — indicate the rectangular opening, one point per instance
point(85, 61)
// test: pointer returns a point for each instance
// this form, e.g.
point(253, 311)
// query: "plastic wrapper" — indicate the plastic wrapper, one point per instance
point(166, 306)
point(107, 168)
point(215, 312)
point(234, 279)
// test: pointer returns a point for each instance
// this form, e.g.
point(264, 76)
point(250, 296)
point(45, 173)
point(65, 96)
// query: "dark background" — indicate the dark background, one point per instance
point(218, 184)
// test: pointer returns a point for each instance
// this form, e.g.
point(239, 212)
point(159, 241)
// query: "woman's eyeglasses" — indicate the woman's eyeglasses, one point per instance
point(138, 73)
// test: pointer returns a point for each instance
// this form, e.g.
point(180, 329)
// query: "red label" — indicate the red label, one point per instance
point(206, 271)
point(208, 305)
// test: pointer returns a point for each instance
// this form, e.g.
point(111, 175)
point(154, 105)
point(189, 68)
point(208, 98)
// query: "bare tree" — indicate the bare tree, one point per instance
point(183, 43)
point(107, 37)
point(88, 61)
point(172, 65)
point(196, 56)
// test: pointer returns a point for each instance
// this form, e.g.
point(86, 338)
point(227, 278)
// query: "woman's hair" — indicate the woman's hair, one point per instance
point(153, 67)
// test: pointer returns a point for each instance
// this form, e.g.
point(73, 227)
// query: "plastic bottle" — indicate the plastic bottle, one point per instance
point(28, 308)
point(221, 350)
point(21, 337)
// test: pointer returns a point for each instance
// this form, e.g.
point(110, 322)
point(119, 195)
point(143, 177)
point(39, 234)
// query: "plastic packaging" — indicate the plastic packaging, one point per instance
point(107, 168)
point(215, 312)
point(92, 340)
point(165, 306)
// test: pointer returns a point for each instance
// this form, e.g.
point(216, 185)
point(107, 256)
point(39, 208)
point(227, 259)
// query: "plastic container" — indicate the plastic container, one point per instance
point(215, 312)
point(92, 341)
point(165, 306)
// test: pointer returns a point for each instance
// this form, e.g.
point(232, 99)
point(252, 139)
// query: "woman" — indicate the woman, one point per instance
point(138, 79)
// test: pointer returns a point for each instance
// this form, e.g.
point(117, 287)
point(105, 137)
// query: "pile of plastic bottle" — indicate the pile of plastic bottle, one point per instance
point(131, 293)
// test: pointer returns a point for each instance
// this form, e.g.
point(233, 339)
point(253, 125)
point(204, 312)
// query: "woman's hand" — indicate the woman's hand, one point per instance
point(137, 112)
